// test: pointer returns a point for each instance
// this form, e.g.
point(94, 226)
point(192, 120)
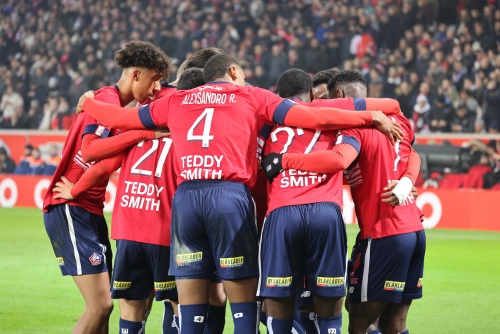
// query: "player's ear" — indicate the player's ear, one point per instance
point(135, 74)
point(233, 73)
point(311, 95)
point(340, 93)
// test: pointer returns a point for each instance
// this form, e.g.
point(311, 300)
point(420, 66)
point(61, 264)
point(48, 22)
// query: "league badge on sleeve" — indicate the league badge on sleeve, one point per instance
point(95, 259)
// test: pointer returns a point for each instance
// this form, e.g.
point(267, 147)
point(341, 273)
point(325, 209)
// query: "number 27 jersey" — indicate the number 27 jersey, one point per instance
point(146, 186)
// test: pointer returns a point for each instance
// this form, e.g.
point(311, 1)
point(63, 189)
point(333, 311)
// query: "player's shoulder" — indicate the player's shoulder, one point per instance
point(343, 103)
point(108, 94)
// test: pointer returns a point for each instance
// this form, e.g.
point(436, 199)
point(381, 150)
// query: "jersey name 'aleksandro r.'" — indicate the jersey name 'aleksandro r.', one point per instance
point(208, 98)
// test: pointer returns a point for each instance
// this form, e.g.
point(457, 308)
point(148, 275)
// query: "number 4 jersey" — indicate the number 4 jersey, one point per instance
point(146, 187)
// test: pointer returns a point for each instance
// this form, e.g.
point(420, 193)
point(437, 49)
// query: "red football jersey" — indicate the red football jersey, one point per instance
point(214, 128)
point(378, 163)
point(72, 165)
point(144, 195)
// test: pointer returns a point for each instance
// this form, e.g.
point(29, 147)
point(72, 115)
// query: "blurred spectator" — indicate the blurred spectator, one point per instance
point(7, 165)
point(439, 115)
point(10, 101)
point(462, 120)
point(24, 164)
point(421, 113)
point(403, 95)
point(492, 111)
point(53, 161)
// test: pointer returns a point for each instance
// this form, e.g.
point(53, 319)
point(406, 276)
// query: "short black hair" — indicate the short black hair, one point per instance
point(323, 77)
point(145, 55)
point(199, 58)
point(294, 82)
point(191, 78)
point(345, 77)
point(217, 66)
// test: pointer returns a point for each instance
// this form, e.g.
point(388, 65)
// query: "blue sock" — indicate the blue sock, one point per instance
point(130, 327)
point(263, 318)
point(307, 322)
point(375, 332)
point(192, 318)
point(330, 325)
point(298, 328)
point(405, 332)
point(246, 317)
point(168, 317)
point(175, 326)
point(279, 326)
point(216, 320)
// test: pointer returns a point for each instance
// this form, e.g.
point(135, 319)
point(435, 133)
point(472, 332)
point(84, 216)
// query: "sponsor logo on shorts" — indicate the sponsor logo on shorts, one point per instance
point(354, 280)
point(419, 284)
point(95, 259)
point(394, 286)
point(305, 294)
point(189, 258)
point(279, 281)
point(356, 264)
point(238, 315)
point(330, 281)
point(229, 262)
point(198, 318)
point(121, 285)
point(60, 261)
point(162, 286)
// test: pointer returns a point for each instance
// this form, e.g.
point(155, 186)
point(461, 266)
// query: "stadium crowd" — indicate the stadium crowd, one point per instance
point(440, 59)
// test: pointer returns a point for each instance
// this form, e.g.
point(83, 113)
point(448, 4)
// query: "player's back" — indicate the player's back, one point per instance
point(215, 128)
point(295, 187)
point(378, 163)
point(147, 183)
point(72, 164)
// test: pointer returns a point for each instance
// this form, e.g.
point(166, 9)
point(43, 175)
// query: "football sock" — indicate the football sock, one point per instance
point(405, 332)
point(297, 328)
point(307, 322)
point(246, 317)
point(175, 326)
point(279, 326)
point(168, 317)
point(192, 318)
point(375, 332)
point(330, 324)
point(216, 320)
point(131, 327)
point(263, 318)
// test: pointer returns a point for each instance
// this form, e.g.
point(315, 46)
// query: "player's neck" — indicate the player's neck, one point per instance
point(125, 93)
point(302, 97)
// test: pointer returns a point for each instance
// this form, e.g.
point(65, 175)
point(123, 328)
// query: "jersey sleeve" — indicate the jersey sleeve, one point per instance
point(412, 166)
point(351, 137)
point(113, 116)
point(387, 106)
point(155, 114)
point(327, 161)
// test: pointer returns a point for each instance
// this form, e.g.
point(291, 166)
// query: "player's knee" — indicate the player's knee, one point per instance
point(103, 308)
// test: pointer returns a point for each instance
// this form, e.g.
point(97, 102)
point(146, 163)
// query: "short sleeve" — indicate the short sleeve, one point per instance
point(155, 114)
point(105, 95)
point(351, 137)
point(271, 107)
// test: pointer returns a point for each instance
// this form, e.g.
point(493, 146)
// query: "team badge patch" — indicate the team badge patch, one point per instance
point(95, 259)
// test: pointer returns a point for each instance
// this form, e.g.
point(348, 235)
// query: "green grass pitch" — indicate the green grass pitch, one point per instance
point(461, 282)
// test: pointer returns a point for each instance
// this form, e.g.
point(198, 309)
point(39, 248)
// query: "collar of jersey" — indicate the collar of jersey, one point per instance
point(167, 85)
point(116, 87)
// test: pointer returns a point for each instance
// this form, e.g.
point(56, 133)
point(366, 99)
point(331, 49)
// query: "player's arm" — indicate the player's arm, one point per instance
point(387, 106)
point(397, 191)
point(151, 116)
point(96, 147)
point(96, 174)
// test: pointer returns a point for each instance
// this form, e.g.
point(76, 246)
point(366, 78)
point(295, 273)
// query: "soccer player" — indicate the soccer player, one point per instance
point(77, 229)
point(320, 81)
point(213, 224)
point(387, 273)
point(306, 209)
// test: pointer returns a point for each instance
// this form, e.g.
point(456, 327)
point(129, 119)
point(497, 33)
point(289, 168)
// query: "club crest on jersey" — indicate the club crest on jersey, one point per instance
point(275, 161)
point(95, 259)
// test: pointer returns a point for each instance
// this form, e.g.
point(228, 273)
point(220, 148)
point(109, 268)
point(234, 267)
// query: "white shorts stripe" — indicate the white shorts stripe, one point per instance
point(269, 325)
point(366, 272)
point(260, 261)
point(180, 317)
point(258, 318)
point(73, 241)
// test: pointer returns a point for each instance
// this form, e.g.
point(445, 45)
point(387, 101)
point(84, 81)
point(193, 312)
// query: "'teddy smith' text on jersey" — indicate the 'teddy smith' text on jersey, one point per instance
point(214, 128)
point(146, 186)
point(378, 163)
point(72, 165)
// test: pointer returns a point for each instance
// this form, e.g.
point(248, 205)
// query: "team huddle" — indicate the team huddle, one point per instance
point(193, 156)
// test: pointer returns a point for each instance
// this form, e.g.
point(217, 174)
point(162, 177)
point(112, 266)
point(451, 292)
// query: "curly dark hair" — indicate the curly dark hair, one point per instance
point(293, 82)
point(322, 77)
point(345, 77)
point(145, 55)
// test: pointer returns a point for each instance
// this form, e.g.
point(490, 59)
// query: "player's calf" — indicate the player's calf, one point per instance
point(329, 314)
point(393, 318)
point(217, 308)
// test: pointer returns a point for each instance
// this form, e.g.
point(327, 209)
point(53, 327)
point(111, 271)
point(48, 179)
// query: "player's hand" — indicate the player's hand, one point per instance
point(63, 189)
point(389, 197)
point(79, 106)
point(271, 164)
point(161, 133)
point(387, 126)
point(414, 192)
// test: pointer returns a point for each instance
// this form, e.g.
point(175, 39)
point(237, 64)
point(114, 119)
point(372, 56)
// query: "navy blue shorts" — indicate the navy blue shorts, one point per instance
point(388, 269)
point(213, 230)
point(80, 240)
point(303, 241)
point(140, 267)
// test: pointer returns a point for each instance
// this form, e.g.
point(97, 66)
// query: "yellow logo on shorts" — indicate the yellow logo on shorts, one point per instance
point(394, 286)
point(279, 281)
point(231, 262)
point(330, 281)
point(121, 285)
point(162, 286)
point(419, 284)
point(60, 261)
point(189, 258)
